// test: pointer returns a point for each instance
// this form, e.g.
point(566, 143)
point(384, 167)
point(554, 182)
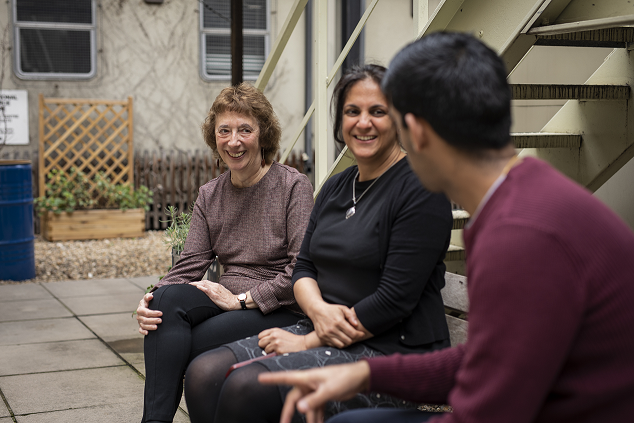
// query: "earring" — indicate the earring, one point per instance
point(263, 161)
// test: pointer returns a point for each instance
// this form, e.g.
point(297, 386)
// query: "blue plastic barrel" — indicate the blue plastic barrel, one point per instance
point(17, 253)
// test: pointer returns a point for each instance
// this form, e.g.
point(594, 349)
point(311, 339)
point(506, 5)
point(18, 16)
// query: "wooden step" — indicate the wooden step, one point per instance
point(546, 140)
point(570, 92)
point(460, 218)
point(608, 37)
point(455, 253)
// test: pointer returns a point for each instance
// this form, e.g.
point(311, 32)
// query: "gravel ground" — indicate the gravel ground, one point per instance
point(102, 259)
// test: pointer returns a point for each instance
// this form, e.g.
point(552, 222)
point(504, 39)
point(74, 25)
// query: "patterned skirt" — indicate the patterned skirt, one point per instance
point(248, 348)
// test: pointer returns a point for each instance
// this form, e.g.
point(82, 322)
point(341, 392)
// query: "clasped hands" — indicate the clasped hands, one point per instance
point(335, 326)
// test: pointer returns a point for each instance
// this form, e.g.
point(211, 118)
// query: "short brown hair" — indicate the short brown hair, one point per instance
point(247, 100)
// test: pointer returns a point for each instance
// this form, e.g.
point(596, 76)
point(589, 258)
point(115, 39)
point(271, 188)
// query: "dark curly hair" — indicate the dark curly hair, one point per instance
point(247, 100)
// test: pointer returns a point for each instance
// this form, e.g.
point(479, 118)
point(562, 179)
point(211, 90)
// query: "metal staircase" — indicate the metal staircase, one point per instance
point(589, 139)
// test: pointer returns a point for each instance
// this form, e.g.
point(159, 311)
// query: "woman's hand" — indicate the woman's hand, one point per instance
point(220, 295)
point(148, 319)
point(335, 324)
point(280, 341)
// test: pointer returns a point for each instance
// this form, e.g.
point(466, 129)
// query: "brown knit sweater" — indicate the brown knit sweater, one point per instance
point(256, 232)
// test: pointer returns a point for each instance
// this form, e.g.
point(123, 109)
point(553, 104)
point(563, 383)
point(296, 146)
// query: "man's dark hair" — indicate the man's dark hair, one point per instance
point(458, 85)
point(350, 77)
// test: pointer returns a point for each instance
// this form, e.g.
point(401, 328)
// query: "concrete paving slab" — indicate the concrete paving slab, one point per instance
point(113, 327)
point(104, 414)
point(92, 288)
point(6, 420)
point(132, 351)
point(144, 281)
point(4, 411)
point(113, 303)
point(32, 310)
point(27, 291)
point(183, 404)
point(57, 391)
point(55, 356)
point(45, 330)
point(136, 360)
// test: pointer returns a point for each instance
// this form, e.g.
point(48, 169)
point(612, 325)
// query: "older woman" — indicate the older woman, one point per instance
point(252, 218)
point(368, 275)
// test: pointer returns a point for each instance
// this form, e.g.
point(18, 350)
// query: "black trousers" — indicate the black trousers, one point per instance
point(191, 324)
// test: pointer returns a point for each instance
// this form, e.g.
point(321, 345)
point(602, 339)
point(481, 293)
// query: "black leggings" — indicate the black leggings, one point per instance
point(191, 324)
point(212, 397)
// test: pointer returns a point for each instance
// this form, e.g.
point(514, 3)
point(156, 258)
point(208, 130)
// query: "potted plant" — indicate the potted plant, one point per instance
point(70, 210)
point(176, 234)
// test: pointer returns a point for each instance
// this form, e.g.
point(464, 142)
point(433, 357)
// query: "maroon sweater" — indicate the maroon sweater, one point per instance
point(551, 321)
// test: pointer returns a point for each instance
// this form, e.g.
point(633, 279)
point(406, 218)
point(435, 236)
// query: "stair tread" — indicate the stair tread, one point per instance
point(546, 140)
point(460, 218)
point(607, 37)
point(570, 92)
point(455, 253)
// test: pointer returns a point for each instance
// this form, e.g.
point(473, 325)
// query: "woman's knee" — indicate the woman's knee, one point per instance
point(169, 296)
point(243, 382)
point(209, 368)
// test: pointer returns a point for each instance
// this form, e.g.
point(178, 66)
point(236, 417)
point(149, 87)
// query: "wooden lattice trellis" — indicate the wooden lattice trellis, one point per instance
point(91, 135)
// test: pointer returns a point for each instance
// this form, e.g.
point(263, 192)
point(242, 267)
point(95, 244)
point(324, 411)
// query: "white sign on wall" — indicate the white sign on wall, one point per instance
point(14, 117)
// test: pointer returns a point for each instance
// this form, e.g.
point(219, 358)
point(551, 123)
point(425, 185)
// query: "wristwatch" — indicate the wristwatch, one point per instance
point(243, 300)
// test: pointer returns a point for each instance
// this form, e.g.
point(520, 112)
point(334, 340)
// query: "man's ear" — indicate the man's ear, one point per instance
point(417, 131)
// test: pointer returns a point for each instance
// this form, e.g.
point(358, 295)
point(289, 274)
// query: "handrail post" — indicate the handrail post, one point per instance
point(321, 90)
point(421, 15)
point(280, 43)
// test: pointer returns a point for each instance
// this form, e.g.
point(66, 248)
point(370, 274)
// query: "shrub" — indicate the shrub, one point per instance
point(72, 191)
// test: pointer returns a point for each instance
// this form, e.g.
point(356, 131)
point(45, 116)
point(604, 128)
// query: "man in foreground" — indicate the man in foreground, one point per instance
point(551, 269)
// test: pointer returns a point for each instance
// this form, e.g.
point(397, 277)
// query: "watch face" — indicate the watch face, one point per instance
point(242, 297)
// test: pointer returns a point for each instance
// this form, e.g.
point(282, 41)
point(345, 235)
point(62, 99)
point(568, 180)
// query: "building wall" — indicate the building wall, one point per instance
point(389, 28)
point(152, 53)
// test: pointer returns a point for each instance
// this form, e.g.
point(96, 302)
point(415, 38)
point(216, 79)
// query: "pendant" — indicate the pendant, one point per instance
point(351, 211)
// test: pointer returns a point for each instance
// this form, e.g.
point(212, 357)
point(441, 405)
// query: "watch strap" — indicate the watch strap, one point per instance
point(242, 298)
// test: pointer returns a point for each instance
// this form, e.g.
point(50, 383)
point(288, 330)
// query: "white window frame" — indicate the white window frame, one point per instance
point(227, 31)
point(91, 28)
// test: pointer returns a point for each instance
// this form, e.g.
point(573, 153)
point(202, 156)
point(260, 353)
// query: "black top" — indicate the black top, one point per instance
point(386, 260)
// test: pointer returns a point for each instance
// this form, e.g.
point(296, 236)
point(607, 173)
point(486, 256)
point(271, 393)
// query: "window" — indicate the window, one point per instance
point(215, 24)
point(54, 39)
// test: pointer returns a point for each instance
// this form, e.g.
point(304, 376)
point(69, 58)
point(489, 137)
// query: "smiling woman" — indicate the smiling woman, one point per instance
point(237, 145)
point(252, 218)
point(368, 275)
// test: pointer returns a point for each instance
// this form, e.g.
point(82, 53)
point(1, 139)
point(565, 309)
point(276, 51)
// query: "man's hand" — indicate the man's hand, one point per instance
point(280, 341)
point(313, 388)
point(336, 325)
point(148, 319)
point(220, 295)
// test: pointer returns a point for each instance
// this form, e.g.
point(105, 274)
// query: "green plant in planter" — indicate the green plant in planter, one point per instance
point(176, 232)
point(120, 196)
point(72, 191)
point(65, 192)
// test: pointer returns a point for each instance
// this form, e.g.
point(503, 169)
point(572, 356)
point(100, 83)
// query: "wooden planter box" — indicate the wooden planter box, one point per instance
point(93, 224)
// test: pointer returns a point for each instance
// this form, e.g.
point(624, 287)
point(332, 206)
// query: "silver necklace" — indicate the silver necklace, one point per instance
point(352, 210)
